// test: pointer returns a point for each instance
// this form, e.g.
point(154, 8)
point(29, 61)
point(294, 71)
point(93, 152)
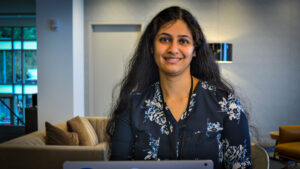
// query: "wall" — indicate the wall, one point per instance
point(264, 35)
point(78, 57)
point(60, 60)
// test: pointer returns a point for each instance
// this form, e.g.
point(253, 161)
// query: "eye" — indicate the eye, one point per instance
point(164, 39)
point(184, 41)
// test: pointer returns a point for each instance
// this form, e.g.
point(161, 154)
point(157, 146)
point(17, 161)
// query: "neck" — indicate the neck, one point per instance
point(175, 86)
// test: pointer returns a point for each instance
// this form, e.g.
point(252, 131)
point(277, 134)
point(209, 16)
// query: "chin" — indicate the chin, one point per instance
point(175, 71)
point(172, 72)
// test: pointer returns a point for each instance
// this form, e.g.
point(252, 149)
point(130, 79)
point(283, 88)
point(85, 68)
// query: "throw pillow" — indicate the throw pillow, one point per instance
point(57, 136)
point(86, 133)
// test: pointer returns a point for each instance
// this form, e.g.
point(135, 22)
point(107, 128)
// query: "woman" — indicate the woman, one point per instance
point(173, 103)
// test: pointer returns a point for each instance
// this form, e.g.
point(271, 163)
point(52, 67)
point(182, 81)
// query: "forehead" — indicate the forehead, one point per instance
point(178, 27)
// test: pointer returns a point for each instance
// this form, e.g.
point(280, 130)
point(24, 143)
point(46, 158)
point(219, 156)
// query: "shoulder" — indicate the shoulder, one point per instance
point(215, 90)
point(212, 89)
point(228, 101)
point(230, 104)
point(138, 94)
point(207, 86)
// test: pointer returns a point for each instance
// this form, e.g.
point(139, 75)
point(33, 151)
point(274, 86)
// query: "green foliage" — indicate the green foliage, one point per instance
point(18, 66)
point(8, 66)
point(5, 33)
point(2, 116)
point(30, 61)
point(29, 33)
point(17, 33)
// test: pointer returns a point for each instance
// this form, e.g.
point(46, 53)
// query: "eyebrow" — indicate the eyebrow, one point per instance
point(182, 36)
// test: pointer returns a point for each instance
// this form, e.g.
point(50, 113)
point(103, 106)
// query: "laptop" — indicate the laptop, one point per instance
point(182, 164)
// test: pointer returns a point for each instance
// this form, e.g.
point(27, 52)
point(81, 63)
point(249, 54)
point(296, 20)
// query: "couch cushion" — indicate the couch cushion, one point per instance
point(86, 133)
point(99, 124)
point(291, 149)
point(28, 140)
point(57, 136)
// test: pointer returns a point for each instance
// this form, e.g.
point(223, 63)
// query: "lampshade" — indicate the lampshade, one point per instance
point(222, 52)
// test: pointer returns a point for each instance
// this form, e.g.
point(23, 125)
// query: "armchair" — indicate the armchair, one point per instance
point(289, 143)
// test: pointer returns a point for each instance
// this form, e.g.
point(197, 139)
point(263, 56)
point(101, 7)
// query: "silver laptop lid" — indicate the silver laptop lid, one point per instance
point(183, 164)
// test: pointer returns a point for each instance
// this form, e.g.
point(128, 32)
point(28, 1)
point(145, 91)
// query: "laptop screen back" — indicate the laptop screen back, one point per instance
point(193, 164)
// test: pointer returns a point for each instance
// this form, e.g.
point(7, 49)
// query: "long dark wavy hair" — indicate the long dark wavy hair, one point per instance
point(142, 71)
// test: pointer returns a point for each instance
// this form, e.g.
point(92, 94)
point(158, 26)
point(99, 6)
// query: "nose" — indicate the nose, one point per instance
point(173, 48)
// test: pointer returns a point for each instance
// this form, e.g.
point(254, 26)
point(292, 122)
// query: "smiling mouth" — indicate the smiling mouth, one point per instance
point(172, 59)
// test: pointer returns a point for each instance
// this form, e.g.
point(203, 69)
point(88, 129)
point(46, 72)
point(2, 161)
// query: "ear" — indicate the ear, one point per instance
point(194, 53)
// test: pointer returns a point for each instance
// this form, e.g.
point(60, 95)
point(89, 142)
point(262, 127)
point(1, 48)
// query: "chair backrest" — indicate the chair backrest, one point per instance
point(289, 133)
point(260, 158)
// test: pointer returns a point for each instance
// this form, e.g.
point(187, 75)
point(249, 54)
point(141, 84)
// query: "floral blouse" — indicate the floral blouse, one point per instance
point(215, 127)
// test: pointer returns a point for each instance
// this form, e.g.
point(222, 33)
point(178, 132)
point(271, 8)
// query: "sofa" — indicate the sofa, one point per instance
point(31, 151)
point(288, 146)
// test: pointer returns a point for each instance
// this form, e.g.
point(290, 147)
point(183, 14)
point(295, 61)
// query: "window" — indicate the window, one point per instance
point(18, 72)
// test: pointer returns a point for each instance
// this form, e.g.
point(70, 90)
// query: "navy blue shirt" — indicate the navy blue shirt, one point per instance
point(215, 127)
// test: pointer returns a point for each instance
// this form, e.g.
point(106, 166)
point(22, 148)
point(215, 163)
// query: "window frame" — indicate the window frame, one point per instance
point(14, 83)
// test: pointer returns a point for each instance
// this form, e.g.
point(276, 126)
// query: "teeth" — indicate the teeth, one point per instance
point(171, 59)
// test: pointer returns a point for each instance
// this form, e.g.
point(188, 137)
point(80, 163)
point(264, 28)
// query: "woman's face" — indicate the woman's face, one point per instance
point(174, 48)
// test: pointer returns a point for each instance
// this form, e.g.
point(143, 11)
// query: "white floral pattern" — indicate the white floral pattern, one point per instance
point(153, 150)
point(220, 144)
point(231, 106)
point(154, 111)
point(235, 157)
point(214, 127)
point(207, 86)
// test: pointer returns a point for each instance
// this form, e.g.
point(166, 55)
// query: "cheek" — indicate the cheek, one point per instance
point(156, 56)
point(158, 52)
point(157, 48)
point(191, 52)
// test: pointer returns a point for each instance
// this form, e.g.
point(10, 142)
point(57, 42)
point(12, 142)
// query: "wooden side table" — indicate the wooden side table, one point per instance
point(275, 136)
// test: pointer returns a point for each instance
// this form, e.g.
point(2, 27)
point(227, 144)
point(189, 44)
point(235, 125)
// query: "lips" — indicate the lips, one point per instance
point(172, 59)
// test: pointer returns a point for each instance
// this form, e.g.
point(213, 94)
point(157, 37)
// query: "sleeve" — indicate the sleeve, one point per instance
point(236, 139)
point(121, 139)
